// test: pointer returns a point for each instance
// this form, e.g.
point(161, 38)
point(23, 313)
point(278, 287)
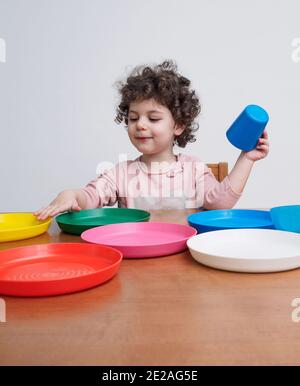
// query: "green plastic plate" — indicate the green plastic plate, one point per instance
point(78, 222)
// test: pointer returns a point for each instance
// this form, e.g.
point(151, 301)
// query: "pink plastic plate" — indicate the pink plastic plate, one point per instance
point(138, 240)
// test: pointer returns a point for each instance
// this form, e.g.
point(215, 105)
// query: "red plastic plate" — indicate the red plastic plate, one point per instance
point(56, 269)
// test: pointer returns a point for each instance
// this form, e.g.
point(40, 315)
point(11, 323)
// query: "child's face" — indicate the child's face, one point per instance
point(151, 127)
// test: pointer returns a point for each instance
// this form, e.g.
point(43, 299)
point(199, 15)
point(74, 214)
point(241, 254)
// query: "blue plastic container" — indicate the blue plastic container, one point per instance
point(248, 128)
point(214, 220)
point(286, 218)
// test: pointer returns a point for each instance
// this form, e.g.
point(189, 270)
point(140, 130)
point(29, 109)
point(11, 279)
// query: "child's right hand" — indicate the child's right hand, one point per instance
point(66, 200)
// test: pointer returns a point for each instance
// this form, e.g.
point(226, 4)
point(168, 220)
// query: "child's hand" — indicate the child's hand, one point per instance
point(66, 200)
point(261, 150)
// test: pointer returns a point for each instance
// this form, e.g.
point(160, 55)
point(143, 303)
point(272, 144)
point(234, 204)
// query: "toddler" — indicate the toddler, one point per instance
point(159, 109)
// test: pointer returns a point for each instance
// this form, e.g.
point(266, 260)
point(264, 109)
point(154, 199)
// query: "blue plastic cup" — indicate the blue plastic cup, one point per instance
point(248, 127)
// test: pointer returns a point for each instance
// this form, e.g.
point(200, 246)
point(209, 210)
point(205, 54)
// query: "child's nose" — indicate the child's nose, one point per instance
point(141, 123)
point(140, 126)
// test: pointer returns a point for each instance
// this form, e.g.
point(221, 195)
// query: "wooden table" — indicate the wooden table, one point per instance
point(160, 311)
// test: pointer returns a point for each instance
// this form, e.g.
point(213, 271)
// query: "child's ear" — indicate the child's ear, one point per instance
point(179, 129)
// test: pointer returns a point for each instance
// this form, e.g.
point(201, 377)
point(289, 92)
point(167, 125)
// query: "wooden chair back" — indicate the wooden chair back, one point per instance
point(219, 170)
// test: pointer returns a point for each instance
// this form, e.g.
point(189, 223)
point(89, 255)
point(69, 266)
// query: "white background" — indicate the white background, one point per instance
point(57, 95)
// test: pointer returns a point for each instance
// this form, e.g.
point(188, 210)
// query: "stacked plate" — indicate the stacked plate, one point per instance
point(246, 241)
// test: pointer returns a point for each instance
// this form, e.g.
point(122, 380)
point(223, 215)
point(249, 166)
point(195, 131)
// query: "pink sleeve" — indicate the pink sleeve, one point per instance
point(218, 195)
point(102, 191)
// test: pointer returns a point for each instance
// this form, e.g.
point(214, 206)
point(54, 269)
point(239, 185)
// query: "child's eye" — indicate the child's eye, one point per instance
point(150, 119)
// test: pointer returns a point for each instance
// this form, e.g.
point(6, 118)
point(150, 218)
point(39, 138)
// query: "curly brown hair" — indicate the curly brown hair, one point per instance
point(164, 84)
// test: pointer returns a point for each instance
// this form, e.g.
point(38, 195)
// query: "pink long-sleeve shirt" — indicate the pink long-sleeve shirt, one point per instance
point(186, 183)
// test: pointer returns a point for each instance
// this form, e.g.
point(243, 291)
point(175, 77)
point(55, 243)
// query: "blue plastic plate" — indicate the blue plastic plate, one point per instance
point(286, 218)
point(214, 220)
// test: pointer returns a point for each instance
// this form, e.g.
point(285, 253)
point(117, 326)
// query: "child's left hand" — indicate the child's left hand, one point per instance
point(261, 150)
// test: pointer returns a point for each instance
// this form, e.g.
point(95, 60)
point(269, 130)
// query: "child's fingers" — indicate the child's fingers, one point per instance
point(263, 148)
point(49, 211)
point(37, 212)
point(41, 217)
point(40, 214)
point(58, 209)
point(76, 208)
point(263, 141)
point(44, 214)
point(52, 210)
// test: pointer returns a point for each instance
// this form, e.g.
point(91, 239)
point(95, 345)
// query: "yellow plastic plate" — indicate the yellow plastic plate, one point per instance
point(19, 226)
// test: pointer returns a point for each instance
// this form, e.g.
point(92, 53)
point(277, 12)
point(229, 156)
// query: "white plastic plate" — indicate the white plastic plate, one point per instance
point(247, 250)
